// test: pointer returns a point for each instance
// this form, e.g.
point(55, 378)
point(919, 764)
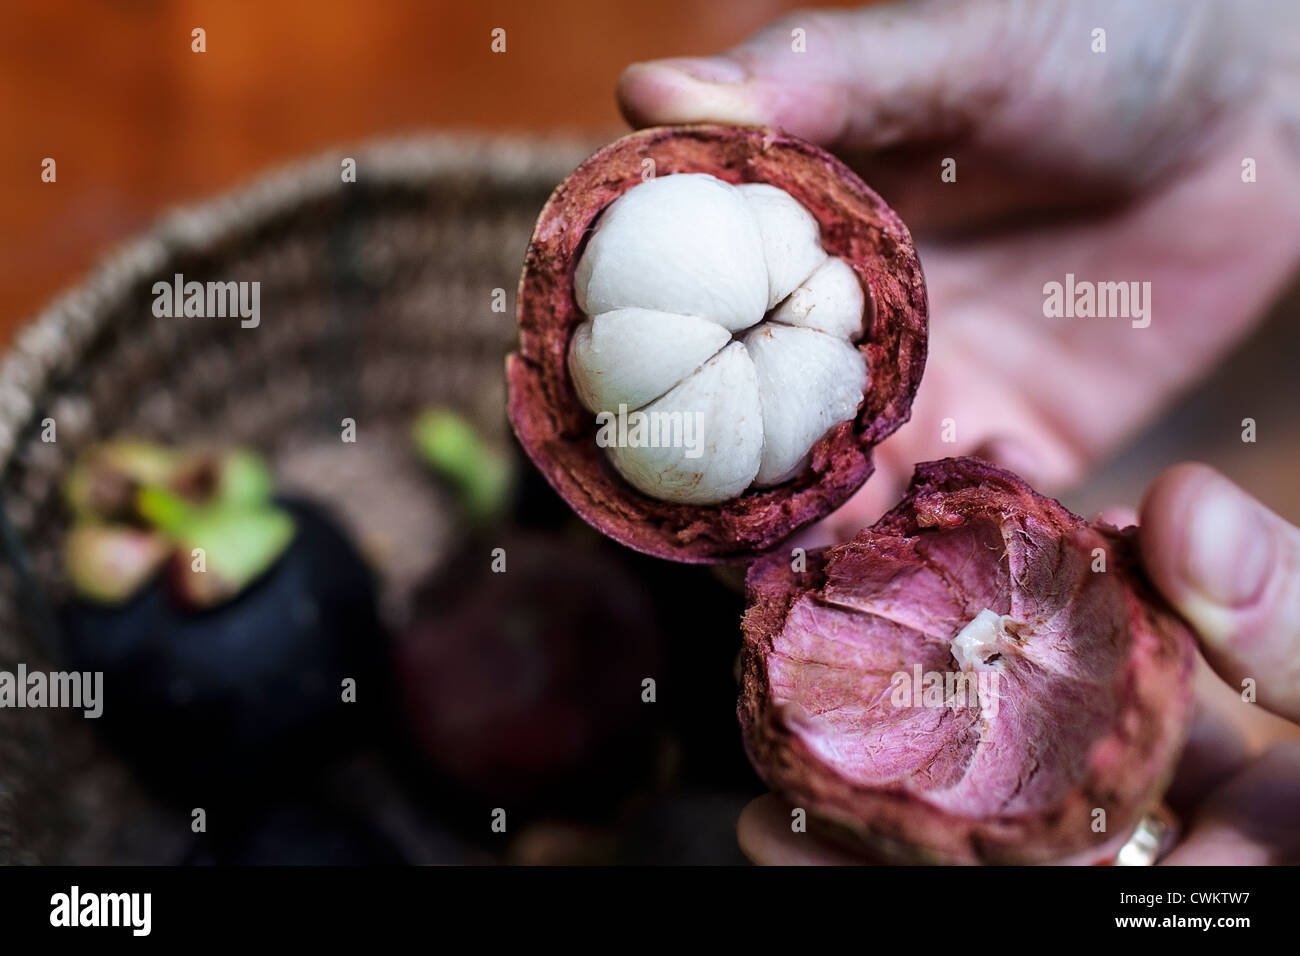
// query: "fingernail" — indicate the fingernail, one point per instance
point(1230, 551)
point(1118, 516)
point(710, 69)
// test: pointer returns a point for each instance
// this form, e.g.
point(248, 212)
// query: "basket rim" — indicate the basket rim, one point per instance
point(51, 340)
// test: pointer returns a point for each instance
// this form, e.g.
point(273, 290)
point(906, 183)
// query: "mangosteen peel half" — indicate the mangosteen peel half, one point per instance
point(979, 677)
point(717, 325)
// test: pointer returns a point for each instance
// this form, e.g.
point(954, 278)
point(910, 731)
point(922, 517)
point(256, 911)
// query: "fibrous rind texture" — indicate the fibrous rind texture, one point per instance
point(1060, 680)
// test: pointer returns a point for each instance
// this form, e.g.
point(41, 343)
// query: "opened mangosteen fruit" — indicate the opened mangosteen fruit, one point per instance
point(717, 325)
point(980, 677)
point(225, 621)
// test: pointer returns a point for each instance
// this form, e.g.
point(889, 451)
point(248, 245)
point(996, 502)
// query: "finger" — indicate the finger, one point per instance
point(881, 492)
point(1118, 516)
point(1226, 734)
point(1015, 455)
point(895, 462)
point(1232, 568)
point(1250, 819)
point(767, 837)
point(858, 79)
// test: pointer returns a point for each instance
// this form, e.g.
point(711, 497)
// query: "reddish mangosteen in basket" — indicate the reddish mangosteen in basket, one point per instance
point(522, 674)
point(526, 684)
point(227, 623)
point(980, 677)
point(717, 325)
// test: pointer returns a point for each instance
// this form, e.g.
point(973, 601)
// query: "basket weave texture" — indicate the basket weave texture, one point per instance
point(377, 298)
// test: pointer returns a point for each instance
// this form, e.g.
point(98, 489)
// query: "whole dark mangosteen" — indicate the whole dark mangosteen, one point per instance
point(236, 632)
point(523, 673)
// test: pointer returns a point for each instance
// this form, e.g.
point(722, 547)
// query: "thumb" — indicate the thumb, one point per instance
point(1232, 568)
point(857, 79)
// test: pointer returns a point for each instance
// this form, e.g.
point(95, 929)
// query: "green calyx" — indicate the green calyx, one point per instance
point(482, 476)
point(244, 479)
point(109, 563)
point(101, 486)
point(139, 507)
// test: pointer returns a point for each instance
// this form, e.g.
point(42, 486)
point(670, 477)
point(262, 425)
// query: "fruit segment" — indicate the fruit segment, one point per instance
point(710, 250)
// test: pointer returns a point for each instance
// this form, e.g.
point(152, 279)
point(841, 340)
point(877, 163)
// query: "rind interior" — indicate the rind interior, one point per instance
point(893, 604)
point(1102, 759)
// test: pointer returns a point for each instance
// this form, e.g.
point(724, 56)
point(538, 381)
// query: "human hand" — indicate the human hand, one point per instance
point(1231, 567)
point(1117, 166)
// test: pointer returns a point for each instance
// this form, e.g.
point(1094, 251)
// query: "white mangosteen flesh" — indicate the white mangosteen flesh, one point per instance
point(720, 344)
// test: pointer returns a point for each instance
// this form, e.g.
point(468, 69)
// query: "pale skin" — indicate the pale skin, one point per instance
point(1118, 165)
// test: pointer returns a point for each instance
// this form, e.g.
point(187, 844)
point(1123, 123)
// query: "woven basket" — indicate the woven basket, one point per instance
point(376, 299)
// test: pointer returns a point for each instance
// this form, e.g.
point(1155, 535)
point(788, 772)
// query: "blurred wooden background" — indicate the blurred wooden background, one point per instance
point(136, 122)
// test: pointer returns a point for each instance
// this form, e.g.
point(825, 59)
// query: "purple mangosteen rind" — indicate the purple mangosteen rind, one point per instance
point(558, 434)
point(1127, 763)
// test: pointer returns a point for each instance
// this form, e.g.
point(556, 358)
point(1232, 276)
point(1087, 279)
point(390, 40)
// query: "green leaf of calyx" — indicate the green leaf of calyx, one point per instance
point(239, 544)
point(450, 444)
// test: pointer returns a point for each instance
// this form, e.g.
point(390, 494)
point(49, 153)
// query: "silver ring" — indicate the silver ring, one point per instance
point(1152, 839)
